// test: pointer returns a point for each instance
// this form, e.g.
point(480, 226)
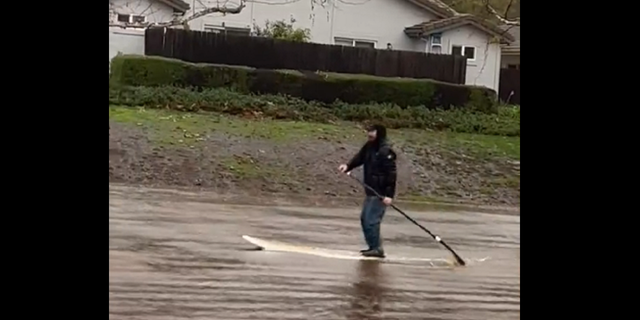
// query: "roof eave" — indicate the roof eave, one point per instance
point(417, 32)
point(511, 50)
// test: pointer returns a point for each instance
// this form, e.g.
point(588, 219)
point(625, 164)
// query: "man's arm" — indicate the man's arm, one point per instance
point(390, 171)
point(357, 160)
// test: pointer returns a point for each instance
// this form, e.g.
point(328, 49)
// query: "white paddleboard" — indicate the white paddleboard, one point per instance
point(269, 245)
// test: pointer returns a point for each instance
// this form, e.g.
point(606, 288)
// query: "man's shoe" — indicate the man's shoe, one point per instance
point(364, 250)
point(375, 253)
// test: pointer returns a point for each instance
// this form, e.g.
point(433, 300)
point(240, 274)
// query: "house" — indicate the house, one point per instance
point(142, 12)
point(511, 52)
point(138, 12)
point(414, 25)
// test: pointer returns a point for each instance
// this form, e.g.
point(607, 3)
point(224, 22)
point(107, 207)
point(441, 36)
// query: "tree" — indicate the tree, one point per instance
point(506, 12)
point(282, 30)
point(505, 16)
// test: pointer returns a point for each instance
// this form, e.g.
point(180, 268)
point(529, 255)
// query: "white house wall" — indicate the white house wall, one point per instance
point(125, 41)
point(485, 70)
point(381, 21)
point(131, 41)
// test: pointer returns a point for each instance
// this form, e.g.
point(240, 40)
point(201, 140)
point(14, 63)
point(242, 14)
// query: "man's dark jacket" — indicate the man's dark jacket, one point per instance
point(379, 162)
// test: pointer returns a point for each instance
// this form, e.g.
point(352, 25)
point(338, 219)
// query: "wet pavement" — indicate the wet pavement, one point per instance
point(177, 257)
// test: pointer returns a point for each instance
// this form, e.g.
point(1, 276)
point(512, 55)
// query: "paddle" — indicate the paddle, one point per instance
point(437, 238)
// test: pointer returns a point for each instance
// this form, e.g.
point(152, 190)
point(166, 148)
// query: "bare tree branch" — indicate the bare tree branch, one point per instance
point(502, 17)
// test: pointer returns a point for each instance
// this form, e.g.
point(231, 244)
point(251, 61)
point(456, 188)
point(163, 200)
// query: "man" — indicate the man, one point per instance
point(380, 174)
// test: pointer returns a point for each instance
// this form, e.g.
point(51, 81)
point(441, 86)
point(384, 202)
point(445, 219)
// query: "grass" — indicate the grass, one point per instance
point(173, 127)
point(191, 126)
point(247, 168)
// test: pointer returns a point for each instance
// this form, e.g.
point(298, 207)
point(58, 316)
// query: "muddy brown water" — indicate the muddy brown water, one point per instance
point(175, 256)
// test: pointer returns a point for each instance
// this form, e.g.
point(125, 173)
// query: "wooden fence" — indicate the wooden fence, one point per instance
point(510, 86)
point(259, 52)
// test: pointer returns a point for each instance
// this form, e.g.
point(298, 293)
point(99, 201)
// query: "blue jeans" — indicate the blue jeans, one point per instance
point(372, 213)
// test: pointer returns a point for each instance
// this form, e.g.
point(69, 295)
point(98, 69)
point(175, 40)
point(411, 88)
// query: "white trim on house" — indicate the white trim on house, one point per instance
point(463, 48)
point(343, 41)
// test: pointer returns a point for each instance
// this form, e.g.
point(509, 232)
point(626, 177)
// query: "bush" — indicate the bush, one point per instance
point(505, 122)
point(137, 70)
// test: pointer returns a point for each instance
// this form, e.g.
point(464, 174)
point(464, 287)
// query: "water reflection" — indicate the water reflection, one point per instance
point(367, 291)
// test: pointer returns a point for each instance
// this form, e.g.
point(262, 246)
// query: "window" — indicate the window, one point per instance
point(354, 43)
point(467, 51)
point(435, 42)
point(127, 18)
point(138, 19)
point(232, 31)
point(436, 38)
point(365, 44)
point(513, 66)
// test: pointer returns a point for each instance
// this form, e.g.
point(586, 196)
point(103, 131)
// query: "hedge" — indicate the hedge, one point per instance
point(505, 122)
point(136, 70)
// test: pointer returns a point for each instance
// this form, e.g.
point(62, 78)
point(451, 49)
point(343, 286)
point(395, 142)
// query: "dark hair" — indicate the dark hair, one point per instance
point(381, 131)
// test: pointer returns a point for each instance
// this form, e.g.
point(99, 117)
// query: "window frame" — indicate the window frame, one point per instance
point(354, 41)
point(463, 49)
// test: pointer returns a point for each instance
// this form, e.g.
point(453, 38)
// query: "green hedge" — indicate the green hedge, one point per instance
point(504, 122)
point(135, 70)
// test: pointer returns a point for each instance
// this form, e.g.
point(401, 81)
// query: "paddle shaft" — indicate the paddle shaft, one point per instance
point(435, 237)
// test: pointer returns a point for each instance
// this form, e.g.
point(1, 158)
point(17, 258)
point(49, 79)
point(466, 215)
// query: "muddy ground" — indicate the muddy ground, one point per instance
point(241, 164)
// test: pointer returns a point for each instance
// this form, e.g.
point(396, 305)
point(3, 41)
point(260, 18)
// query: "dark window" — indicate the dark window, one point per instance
point(436, 38)
point(123, 18)
point(137, 19)
point(365, 44)
point(470, 52)
point(237, 31)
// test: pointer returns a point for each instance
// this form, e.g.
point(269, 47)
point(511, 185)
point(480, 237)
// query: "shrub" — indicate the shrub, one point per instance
point(505, 122)
point(137, 70)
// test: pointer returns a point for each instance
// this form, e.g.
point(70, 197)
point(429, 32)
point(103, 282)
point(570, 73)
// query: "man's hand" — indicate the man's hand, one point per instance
point(342, 168)
point(387, 201)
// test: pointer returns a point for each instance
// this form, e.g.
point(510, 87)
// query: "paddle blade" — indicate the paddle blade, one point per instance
point(459, 260)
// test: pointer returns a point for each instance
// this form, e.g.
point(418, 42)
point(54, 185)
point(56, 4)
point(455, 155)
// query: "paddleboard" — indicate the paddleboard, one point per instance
point(270, 245)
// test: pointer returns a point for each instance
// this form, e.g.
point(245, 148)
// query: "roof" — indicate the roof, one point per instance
point(178, 5)
point(514, 31)
point(437, 7)
point(434, 26)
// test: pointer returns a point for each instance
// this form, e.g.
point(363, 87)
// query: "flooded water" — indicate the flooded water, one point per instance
point(176, 257)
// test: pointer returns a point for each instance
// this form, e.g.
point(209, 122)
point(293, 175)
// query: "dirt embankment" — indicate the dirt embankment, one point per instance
point(241, 157)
